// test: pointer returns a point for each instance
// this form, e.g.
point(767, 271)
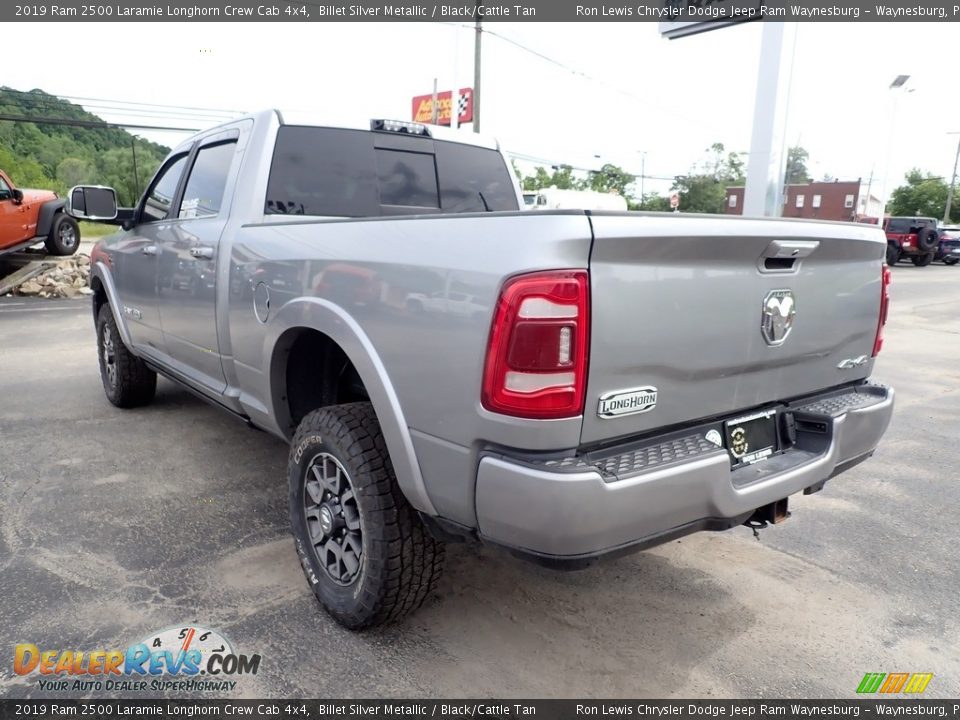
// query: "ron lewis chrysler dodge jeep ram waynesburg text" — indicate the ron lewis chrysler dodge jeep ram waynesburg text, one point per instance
point(579, 384)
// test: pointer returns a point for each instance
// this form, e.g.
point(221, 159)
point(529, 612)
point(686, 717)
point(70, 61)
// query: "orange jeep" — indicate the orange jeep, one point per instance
point(31, 217)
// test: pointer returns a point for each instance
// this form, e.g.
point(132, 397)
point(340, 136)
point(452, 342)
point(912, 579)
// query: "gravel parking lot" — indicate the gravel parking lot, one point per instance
point(118, 524)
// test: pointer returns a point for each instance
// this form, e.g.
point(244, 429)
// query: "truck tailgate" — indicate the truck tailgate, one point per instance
point(677, 304)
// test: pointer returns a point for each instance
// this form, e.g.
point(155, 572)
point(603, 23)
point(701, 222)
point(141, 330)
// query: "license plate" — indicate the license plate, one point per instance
point(752, 438)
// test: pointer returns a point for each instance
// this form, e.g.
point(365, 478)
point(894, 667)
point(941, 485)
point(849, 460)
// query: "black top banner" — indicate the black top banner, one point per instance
point(678, 17)
point(108, 709)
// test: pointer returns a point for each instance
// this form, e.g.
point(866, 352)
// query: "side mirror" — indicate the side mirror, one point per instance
point(92, 202)
point(17, 195)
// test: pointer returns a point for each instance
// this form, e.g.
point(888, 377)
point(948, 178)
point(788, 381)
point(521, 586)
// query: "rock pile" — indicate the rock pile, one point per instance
point(65, 278)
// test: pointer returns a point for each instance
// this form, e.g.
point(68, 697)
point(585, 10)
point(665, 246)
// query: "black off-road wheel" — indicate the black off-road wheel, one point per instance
point(927, 239)
point(64, 237)
point(893, 254)
point(922, 260)
point(127, 381)
point(365, 552)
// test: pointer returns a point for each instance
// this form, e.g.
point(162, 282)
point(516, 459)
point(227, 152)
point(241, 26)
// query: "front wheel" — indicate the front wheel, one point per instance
point(64, 237)
point(922, 260)
point(365, 552)
point(127, 381)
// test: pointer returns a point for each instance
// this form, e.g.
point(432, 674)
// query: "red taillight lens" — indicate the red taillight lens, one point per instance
point(884, 305)
point(536, 363)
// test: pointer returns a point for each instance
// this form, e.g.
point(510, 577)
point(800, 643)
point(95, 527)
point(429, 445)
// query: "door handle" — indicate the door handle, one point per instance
point(204, 253)
point(149, 250)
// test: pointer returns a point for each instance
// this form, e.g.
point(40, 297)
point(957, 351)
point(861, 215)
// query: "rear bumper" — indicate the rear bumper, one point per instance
point(662, 488)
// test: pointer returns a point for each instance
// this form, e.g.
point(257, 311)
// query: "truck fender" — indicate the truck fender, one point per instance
point(334, 322)
point(47, 212)
point(100, 275)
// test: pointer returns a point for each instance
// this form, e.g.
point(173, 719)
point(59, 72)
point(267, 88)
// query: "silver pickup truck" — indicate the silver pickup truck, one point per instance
point(578, 385)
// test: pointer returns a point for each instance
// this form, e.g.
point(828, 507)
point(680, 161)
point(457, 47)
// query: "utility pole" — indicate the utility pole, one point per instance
point(476, 70)
point(434, 110)
point(953, 181)
point(643, 174)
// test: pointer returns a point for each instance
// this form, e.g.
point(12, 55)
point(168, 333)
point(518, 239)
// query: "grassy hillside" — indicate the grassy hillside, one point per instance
point(50, 156)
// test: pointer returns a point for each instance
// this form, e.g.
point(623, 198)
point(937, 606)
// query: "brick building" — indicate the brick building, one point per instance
point(834, 200)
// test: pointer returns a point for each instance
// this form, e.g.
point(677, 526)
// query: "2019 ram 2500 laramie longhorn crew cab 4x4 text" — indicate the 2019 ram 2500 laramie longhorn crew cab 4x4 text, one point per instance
point(620, 380)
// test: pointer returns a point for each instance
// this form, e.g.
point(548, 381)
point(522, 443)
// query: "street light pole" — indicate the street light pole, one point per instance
point(476, 71)
point(953, 182)
point(643, 173)
point(898, 82)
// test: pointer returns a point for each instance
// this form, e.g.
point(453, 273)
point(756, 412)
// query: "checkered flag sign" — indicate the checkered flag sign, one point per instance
point(423, 107)
point(463, 103)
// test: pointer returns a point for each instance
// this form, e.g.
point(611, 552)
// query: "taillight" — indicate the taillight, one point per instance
point(536, 364)
point(884, 305)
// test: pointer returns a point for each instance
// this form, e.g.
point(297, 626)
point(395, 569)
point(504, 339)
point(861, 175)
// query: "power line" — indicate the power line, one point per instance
point(579, 73)
point(50, 97)
point(90, 123)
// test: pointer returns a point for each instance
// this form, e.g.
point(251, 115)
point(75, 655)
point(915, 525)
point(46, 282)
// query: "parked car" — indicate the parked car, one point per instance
point(31, 217)
point(911, 237)
point(448, 303)
point(620, 392)
point(948, 249)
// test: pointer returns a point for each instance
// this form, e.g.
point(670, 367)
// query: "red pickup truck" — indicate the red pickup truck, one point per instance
point(913, 237)
point(30, 217)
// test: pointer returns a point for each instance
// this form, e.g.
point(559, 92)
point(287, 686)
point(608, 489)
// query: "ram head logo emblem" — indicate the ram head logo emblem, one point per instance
point(776, 320)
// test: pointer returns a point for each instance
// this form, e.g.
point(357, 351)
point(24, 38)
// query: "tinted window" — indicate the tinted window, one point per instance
point(407, 178)
point(208, 177)
point(4, 188)
point(320, 171)
point(898, 226)
point(466, 171)
point(324, 171)
point(160, 195)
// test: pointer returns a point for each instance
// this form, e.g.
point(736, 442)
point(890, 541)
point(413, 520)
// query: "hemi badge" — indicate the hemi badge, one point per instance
point(627, 402)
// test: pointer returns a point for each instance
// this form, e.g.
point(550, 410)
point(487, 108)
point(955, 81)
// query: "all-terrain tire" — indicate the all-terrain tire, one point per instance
point(893, 254)
point(922, 260)
point(64, 237)
point(927, 239)
point(127, 381)
point(400, 562)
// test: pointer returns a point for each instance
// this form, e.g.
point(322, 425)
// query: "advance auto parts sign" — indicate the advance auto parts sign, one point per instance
point(423, 107)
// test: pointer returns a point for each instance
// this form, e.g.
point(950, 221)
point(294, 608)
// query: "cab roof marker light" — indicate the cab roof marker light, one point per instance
point(399, 126)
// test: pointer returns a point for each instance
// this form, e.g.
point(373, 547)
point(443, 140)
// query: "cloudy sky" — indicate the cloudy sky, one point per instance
point(565, 92)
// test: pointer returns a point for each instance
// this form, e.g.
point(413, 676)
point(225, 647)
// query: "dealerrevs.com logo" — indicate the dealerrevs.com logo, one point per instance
point(893, 683)
point(189, 658)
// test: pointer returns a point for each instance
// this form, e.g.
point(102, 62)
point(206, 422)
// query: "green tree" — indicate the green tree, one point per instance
point(55, 156)
point(652, 202)
point(562, 177)
point(704, 189)
point(923, 194)
point(797, 172)
point(74, 171)
point(611, 178)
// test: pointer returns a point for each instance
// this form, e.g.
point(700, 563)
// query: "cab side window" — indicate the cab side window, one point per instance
point(160, 195)
point(5, 193)
point(203, 195)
